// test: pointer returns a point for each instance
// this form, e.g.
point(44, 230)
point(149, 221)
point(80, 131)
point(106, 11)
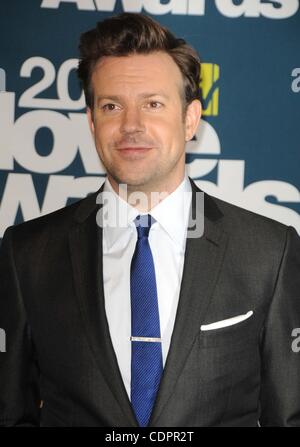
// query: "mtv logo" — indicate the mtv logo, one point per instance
point(2, 80)
point(210, 88)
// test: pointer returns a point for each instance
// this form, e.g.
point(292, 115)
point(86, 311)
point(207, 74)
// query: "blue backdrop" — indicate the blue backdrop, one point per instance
point(247, 148)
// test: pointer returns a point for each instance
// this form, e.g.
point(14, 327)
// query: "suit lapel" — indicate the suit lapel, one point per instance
point(85, 242)
point(202, 263)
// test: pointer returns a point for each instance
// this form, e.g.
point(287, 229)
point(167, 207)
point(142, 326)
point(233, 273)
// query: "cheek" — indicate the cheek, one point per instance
point(104, 133)
point(167, 130)
point(175, 136)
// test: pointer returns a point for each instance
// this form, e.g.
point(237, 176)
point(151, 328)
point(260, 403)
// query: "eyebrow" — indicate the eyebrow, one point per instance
point(142, 96)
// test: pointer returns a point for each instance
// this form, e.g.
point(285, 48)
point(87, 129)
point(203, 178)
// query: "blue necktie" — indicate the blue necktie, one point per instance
point(146, 355)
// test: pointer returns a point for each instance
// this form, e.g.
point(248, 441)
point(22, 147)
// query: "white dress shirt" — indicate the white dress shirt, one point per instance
point(167, 239)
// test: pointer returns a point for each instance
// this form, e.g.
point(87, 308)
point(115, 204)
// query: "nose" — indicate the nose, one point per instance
point(132, 121)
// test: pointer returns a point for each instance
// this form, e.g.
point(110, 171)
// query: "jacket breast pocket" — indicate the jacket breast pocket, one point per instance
point(234, 336)
point(228, 357)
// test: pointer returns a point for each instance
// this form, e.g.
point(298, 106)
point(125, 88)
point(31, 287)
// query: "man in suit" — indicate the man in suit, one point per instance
point(123, 317)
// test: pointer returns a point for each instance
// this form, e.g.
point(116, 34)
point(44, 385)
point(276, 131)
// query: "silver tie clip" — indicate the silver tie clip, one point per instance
point(150, 339)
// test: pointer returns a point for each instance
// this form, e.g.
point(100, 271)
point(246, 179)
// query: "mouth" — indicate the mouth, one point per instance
point(134, 150)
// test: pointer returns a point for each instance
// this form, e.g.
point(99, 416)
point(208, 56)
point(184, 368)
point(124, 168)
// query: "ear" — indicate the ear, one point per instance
point(89, 114)
point(192, 118)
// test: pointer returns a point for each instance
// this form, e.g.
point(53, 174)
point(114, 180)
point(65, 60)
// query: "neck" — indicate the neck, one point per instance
point(144, 197)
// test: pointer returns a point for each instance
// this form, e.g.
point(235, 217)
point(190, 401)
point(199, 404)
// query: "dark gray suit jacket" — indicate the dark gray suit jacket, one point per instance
point(58, 346)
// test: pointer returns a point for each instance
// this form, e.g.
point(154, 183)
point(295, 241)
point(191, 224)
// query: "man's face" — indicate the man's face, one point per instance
point(138, 122)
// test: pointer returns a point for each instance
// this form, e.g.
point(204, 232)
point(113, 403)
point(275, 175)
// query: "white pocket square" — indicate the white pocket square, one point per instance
point(227, 322)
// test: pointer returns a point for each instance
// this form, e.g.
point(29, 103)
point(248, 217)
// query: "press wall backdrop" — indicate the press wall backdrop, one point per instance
point(247, 147)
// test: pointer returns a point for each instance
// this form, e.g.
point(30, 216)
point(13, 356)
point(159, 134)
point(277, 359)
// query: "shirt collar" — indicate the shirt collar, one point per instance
point(118, 214)
point(171, 214)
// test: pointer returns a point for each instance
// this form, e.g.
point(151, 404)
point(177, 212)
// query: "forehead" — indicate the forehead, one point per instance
point(137, 71)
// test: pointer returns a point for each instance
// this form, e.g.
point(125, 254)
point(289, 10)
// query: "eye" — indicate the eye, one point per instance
point(110, 107)
point(154, 105)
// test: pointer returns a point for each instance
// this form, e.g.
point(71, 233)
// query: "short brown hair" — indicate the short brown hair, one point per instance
point(129, 33)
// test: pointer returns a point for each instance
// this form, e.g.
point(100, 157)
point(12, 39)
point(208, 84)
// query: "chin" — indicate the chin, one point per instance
point(133, 180)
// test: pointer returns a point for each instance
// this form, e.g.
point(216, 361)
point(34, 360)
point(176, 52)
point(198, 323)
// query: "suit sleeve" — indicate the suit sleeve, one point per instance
point(280, 367)
point(19, 375)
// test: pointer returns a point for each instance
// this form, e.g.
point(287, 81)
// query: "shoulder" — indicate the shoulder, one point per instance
point(55, 225)
point(237, 220)
point(250, 232)
point(240, 219)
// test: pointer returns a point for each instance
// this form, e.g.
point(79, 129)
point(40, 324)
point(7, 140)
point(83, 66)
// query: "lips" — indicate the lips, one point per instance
point(134, 148)
point(134, 151)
